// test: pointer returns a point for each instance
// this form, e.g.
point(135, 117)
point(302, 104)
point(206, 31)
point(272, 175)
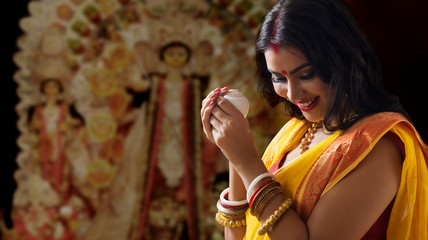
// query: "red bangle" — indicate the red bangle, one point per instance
point(229, 206)
point(258, 190)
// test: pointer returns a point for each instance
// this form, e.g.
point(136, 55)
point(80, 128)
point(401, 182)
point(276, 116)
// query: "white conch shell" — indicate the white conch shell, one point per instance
point(239, 100)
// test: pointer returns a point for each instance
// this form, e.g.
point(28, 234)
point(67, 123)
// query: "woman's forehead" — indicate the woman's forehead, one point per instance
point(288, 57)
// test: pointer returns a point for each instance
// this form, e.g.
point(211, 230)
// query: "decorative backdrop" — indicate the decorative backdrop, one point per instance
point(110, 135)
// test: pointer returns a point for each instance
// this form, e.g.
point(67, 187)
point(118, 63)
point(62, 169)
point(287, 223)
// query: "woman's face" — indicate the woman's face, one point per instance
point(175, 56)
point(294, 79)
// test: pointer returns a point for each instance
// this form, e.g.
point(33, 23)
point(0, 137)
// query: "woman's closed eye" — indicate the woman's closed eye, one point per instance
point(306, 76)
point(277, 79)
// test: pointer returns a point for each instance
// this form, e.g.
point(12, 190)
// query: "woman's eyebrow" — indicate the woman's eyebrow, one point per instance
point(298, 68)
point(292, 71)
point(273, 72)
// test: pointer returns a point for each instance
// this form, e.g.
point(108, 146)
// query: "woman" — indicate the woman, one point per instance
point(363, 177)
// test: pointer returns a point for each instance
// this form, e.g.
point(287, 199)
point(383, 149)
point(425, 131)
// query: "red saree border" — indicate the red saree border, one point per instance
point(342, 155)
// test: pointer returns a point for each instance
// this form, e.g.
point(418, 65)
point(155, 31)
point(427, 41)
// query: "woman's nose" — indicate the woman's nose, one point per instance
point(293, 91)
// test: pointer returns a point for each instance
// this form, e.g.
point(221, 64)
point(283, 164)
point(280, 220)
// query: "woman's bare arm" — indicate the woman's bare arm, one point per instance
point(237, 192)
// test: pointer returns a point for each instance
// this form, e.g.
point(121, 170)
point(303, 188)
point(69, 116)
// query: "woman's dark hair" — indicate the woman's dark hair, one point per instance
point(175, 44)
point(329, 37)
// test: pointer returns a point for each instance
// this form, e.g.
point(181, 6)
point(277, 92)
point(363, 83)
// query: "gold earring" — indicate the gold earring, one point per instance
point(326, 131)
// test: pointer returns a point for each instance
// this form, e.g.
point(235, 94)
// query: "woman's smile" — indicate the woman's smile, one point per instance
point(307, 105)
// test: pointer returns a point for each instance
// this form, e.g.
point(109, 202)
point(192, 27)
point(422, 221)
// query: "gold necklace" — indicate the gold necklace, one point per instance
point(307, 139)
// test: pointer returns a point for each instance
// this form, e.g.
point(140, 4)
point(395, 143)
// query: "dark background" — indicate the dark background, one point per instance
point(397, 29)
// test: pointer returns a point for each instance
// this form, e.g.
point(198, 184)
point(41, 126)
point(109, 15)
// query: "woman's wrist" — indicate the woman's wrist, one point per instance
point(250, 171)
point(237, 189)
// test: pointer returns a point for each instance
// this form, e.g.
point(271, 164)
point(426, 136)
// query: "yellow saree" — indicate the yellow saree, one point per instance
point(318, 170)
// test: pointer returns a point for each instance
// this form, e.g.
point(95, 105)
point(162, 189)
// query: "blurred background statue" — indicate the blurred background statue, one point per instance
point(110, 94)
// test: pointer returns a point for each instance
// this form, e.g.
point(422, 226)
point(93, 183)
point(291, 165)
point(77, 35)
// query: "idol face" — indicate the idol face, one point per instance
point(175, 56)
point(294, 79)
point(51, 87)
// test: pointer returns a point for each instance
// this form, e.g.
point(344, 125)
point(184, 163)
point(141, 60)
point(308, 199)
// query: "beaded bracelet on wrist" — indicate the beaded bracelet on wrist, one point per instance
point(231, 214)
point(270, 222)
point(231, 218)
point(230, 223)
point(258, 209)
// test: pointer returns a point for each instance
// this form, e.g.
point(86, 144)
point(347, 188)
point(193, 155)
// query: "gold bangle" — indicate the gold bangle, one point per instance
point(230, 223)
point(263, 196)
point(275, 217)
point(261, 205)
point(234, 216)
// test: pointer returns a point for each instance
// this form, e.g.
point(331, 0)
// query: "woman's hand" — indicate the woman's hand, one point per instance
point(225, 125)
point(207, 106)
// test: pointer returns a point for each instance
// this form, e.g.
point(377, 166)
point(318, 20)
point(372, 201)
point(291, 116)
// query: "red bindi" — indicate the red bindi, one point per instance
point(284, 72)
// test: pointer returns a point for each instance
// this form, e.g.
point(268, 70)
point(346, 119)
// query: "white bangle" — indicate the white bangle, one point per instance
point(231, 203)
point(223, 209)
point(256, 180)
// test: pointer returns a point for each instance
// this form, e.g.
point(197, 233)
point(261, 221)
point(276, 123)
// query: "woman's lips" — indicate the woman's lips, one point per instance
point(307, 105)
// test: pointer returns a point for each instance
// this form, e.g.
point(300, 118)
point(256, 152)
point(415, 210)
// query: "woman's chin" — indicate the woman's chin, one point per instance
point(313, 117)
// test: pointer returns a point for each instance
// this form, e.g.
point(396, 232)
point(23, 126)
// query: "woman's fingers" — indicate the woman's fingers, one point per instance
point(212, 98)
point(209, 98)
point(208, 101)
point(206, 125)
point(227, 107)
point(214, 93)
point(219, 113)
point(208, 105)
point(215, 123)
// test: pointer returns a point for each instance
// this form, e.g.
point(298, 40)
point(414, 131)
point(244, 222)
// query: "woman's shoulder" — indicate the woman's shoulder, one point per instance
point(380, 119)
point(365, 142)
point(375, 125)
point(366, 133)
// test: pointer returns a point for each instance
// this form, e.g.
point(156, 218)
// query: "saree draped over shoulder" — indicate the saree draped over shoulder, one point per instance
point(320, 168)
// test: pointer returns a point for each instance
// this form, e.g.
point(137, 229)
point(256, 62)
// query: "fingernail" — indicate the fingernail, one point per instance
point(211, 104)
point(225, 88)
point(216, 90)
